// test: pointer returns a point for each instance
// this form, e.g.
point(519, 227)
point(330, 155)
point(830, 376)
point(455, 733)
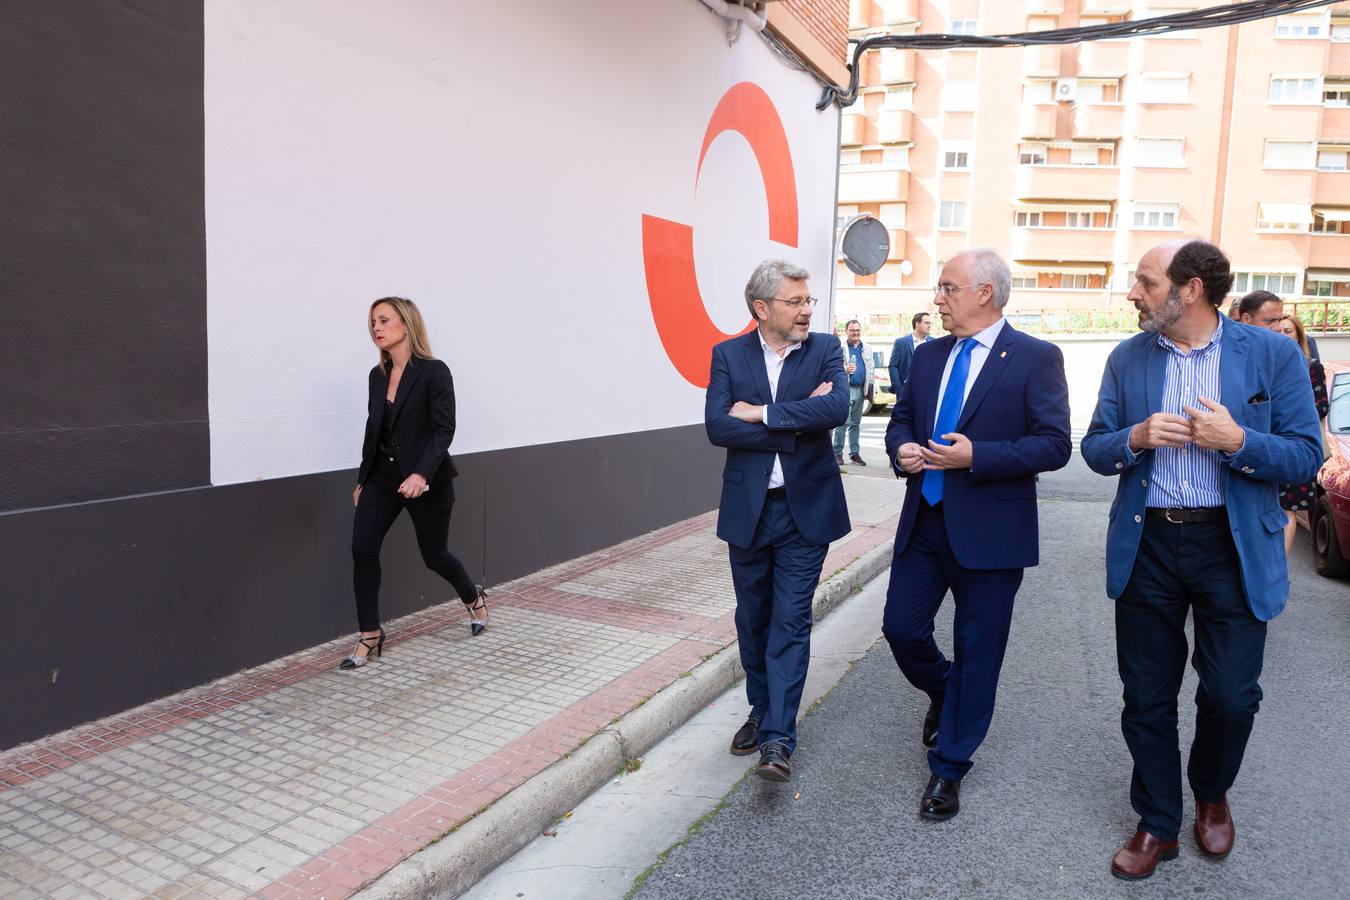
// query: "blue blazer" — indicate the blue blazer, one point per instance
point(1017, 418)
point(1265, 386)
point(798, 430)
point(902, 354)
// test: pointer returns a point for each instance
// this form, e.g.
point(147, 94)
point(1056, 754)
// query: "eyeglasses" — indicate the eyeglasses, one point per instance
point(793, 304)
point(947, 290)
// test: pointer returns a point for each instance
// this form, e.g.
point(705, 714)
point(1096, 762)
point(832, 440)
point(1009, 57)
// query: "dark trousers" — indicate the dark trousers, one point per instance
point(775, 580)
point(1192, 567)
point(376, 510)
point(921, 573)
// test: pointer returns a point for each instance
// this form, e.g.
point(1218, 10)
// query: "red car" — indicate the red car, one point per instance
point(1330, 519)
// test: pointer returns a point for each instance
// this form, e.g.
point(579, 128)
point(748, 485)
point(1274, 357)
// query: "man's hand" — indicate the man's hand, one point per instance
point(958, 456)
point(747, 412)
point(822, 389)
point(910, 458)
point(1161, 430)
point(1213, 427)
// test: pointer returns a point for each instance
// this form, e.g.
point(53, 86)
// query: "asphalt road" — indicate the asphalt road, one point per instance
point(1047, 802)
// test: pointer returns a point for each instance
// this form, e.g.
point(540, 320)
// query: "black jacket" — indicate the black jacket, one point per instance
point(424, 421)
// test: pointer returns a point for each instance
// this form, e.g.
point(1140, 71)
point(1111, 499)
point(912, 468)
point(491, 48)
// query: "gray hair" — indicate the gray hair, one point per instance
point(987, 267)
point(768, 278)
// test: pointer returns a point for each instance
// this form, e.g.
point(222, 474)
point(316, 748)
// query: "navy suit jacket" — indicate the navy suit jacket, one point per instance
point(1265, 387)
point(902, 354)
point(798, 430)
point(1017, 419)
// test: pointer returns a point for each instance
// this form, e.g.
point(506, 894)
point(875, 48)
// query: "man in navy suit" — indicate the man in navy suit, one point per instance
point(774, 394)
point(1201, 418)
point(984, 409)
point(902, 351)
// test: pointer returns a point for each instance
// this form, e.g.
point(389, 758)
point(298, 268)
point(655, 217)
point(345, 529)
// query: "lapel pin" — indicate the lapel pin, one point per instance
point(1003, 354)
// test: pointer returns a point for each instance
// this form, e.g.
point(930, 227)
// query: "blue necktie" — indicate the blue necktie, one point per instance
point(948, 412)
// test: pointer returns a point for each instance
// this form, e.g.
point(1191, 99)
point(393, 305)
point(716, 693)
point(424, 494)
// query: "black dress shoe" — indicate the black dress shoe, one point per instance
point(746, 740)
point(773, 763)
point(930, 723)
point(941, 800)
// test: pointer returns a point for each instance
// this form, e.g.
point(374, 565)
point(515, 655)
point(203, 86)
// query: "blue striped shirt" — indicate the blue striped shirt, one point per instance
point(1188, 476)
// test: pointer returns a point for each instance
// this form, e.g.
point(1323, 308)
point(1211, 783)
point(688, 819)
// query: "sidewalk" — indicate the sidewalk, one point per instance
point(294, 779)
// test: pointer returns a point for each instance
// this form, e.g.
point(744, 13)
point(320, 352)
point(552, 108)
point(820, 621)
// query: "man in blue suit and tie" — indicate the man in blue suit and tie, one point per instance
point(902, 351)
point(983, 410)
point(1201, 418)
point(774, 395)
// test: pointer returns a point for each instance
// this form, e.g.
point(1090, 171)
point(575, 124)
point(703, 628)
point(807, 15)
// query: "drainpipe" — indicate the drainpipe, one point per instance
point(736, 16)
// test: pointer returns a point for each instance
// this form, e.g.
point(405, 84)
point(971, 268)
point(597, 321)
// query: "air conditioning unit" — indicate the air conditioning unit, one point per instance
point(1066, 89)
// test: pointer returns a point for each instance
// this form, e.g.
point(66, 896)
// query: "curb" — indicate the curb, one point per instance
point(461, 858)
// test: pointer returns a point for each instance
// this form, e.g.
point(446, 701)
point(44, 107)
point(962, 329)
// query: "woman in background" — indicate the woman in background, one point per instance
point(405, 465)
point(1295, 497)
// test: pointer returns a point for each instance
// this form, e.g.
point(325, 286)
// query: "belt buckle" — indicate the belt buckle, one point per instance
point(1167, 514)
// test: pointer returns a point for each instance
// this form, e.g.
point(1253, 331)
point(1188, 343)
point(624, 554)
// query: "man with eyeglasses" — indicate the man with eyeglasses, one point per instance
point(774, 394)
point(984, 409)
point(859, 371)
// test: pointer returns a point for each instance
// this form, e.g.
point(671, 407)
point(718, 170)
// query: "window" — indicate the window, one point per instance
point(1340, 31)
point(1287, 89)
point(1163, 89)
point(956, 156)
point(1331, 159)
point(1073, 281)
point(1275, 282)
point(842, 215)
point(1083, 155)
point(1038, 92)
point(952, 214)
point(1028, 219)
point(1156, 216)
point(892, 215)
point(1024, 282)
point(958, 96)
point(1336, 93)
point(962, 26)
point(1331, 221)
point(1283, 217)
point(850, 157)
point(1288, 155)
point(1160, 152)
point(1032, 155)
point(1301, 25)
point(899, 98)
point(896, 156)
point(1078, 220)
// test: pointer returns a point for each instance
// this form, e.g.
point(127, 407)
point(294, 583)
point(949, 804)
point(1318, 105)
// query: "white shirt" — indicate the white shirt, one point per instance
point(984, 342)
point(773, 362)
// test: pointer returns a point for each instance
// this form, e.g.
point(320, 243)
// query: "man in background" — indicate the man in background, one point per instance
point(856, 365)
point(902, 351)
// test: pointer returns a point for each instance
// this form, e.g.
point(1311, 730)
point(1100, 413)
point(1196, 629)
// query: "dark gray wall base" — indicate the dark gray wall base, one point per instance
point(115, 603)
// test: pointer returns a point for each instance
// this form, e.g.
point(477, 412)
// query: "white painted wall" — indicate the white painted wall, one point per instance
point(493, 163)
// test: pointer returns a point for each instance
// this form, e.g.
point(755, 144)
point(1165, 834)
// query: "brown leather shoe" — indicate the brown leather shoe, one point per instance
point(1141, 855)
point(1214, 830)
point(746, 739)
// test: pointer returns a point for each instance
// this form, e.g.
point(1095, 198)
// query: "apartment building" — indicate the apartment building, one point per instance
point(1072, 160)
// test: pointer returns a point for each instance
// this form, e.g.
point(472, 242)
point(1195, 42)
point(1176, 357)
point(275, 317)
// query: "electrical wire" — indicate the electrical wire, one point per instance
point(1212, 17)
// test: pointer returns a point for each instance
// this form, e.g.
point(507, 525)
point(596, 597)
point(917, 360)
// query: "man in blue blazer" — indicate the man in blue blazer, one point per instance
point(1201, 418)
point(774, 394)
point(983, 410)
point(902, 351)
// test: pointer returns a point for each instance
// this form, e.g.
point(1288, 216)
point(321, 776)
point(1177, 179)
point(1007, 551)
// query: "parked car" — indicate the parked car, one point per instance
point(879, 393)
point(1330, 515)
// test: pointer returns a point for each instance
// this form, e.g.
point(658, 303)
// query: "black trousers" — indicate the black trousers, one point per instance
point(1187, 567)
point(376, 510)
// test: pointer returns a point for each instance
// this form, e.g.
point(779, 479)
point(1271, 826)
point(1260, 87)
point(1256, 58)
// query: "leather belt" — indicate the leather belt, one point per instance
point(778, 493)
point(1178, 515)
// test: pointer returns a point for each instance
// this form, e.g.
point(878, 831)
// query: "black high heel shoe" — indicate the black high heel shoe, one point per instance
point(374, 647)
point(476, 626)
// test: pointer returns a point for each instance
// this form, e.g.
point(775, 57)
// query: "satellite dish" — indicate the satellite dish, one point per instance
point(865, 244)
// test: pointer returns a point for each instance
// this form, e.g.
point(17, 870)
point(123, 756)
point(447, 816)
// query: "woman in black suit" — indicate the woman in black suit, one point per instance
point(405, 465)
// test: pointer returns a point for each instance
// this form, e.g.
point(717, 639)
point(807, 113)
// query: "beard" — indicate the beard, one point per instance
point(1166, 316)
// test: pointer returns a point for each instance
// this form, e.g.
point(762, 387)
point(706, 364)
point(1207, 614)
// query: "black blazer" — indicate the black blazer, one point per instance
point(424, 421)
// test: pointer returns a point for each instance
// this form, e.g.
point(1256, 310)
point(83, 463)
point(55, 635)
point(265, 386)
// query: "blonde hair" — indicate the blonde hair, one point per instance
point(1300, 334)
point(411, 316)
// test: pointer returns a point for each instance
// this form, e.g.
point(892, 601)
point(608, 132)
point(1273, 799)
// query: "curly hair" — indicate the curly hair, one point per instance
point(1203, 260)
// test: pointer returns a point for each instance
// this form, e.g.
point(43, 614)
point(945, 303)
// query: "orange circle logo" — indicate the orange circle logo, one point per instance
point(687, 334)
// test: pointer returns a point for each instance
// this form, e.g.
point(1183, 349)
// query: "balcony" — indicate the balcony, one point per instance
point(1041, 61)
point(1104, 58)
point(1335, 123)
point(1037, 121)
point(897, 12)
point(1328, 251)
point(896, 126)
point(1061, 182)
point(1099, 120)
point(1333, 189)
point(874, 185)
point(1063, 244)
point(897, 66)
point(853, 128)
